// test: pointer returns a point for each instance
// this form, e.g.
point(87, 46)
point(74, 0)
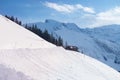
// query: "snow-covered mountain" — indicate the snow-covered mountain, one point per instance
point(24, 54)
point(101, 43)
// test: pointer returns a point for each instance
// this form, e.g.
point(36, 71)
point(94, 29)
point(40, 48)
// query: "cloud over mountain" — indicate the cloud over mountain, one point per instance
point(67, 8)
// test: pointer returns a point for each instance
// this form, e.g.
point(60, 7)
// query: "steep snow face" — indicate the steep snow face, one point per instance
point(14, 36)
point(101, 43)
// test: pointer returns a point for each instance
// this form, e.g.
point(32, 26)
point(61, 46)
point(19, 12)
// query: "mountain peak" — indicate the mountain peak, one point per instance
point(53, 25)
point(51, 21)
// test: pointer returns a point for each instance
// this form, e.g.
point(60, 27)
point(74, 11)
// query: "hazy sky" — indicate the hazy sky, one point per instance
point(85, 13)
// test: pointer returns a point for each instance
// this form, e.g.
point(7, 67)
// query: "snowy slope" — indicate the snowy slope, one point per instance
point(47, 62)
point(100, 43)
point(11, 74)
point(56, 64)
point(17, 37)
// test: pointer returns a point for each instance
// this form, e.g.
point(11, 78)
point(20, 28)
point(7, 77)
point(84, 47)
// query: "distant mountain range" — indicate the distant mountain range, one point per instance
point(102, 43)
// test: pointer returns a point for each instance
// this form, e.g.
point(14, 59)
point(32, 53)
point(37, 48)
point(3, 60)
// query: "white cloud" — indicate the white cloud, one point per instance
point(109, 17)
point(66, 8)
point(85, 9)
point(86, 19)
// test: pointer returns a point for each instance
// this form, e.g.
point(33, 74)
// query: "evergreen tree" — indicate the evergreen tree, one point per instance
point(60, 42)
point(12, 18)
point(46, 35)
point(20, 23)
point(52, 39)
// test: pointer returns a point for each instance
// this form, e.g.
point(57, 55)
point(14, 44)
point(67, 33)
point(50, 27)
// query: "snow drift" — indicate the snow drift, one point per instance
point(25, 52)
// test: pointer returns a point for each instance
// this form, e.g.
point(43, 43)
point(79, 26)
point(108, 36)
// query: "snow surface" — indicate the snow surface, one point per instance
point(46, 62)
point(11, 74)
point(14, 36)
point(101, 43)
point(56, 64)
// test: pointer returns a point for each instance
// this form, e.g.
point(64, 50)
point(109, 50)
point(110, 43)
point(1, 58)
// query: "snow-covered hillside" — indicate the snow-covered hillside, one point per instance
point(18, 37)
point(56, 64)
point(39, 60)
point(11, 74)
point(100, 43)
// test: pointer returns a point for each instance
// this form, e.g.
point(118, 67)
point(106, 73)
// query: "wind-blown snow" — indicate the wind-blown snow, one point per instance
point(46, 62)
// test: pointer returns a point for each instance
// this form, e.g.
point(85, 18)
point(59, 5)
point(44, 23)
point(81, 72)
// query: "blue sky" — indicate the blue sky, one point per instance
point(85, 13)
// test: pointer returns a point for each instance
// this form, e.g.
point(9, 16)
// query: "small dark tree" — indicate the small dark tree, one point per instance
point(60, 42)
point(52, 39)
point(20, 23)
point(16, 20)
point(46, 35)
point(12, 18)
point(6, 16)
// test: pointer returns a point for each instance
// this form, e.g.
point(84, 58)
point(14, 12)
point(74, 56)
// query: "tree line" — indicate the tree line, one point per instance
point(45, 35)
point(50, 38)
point(14, 19)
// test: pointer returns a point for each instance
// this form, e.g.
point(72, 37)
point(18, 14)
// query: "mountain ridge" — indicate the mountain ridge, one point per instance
point(101, 43)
